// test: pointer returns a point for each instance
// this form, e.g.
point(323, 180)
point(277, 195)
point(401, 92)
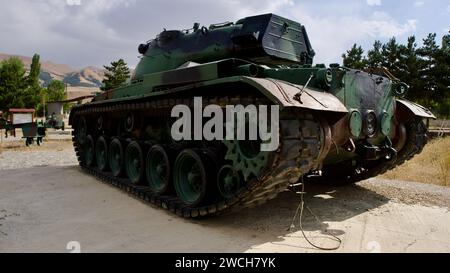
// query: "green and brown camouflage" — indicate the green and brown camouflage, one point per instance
point(266, 47)
point(357, 123)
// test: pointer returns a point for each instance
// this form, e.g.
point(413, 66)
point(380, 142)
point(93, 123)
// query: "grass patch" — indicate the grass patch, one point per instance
point(431, 166)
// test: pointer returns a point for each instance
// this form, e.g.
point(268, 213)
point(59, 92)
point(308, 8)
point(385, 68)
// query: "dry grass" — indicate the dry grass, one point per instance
point(431, 166)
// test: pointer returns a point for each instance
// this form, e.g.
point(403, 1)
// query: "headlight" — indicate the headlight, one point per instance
point(371, 124)
point(324, 77)
point(401, 89)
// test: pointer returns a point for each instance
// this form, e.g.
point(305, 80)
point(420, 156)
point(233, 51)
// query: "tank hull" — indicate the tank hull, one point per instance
point(333, 125)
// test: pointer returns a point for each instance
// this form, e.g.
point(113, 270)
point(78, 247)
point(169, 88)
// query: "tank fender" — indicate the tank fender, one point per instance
point(283, 93)
point(408, 109)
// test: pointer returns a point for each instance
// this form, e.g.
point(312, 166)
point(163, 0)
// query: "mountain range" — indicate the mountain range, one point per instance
point(80, 83)
point(90, 76)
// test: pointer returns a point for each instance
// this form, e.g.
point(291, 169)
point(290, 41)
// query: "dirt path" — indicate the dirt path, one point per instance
point(42, 209)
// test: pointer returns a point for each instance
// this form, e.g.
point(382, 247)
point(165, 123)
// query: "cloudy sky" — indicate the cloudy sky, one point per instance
point(95, 32)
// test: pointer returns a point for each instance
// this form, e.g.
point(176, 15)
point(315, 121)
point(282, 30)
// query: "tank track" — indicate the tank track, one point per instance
point(416, 140)
point(301, 139)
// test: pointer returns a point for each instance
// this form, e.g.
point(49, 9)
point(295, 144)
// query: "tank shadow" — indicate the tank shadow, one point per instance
point(272, 221)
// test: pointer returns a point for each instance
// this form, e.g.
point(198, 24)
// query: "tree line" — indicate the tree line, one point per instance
point(19, 89)
point(426, 69)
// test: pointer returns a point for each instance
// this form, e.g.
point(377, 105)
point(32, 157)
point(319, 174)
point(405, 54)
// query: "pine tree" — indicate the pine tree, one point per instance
point(116, 75)
point(35, 71)
point(32, 94)
point(408, 68)
point(391, 54)
point(426, 69)
point(428, 64)
point(354, 58)
point(374, 56)
point(442, 74)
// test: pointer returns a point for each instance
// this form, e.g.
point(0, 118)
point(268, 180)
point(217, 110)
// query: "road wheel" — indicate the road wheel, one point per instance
point(190, 178)
point(116, 157)
point(101, 153)
point(81, 131)
point(89, 151)
point(134, 162)
point(158, 170)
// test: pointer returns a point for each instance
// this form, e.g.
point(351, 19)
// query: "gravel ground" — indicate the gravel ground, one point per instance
point(44, 208)
point(409, 193)
point(61, 153)
point(53, 153)
point(57, 150)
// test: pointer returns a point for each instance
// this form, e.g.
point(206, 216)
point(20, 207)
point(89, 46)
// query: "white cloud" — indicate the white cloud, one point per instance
point(374, 2)
point(418, 4)
point(448, 8)
point(331, 36)
point(99, 31)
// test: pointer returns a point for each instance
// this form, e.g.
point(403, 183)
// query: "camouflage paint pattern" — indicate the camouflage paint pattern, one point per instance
point(272, 55)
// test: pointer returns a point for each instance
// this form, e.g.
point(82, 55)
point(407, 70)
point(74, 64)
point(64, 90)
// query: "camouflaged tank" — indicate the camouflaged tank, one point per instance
point(336, 125)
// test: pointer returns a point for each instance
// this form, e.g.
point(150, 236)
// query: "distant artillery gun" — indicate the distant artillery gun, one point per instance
point(55, 120)
point(24, 119)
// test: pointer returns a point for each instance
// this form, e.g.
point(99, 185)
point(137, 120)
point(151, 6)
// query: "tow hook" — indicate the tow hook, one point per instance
point(387, 152)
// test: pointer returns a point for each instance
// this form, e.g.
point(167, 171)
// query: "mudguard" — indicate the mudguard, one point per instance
point(283, 93)
point(414, 109)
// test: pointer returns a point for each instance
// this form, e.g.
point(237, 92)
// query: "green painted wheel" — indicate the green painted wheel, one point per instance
point(250, 149)
point(81, 131)
point(134, 162)
point(228, 182)
point(101, 153)
point(158, 170)
point(246, 157)
point(28, 142)
point(190, 179)
point(116, 157)
point(89, 151)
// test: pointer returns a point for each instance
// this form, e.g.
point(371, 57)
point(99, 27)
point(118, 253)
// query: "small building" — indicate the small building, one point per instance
point(56, 108)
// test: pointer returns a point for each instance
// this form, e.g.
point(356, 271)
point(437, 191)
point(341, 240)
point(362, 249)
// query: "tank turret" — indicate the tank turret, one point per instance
point(265, 39)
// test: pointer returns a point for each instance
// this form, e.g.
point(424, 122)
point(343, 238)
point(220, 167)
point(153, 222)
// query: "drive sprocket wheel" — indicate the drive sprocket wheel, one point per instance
point(246, 157)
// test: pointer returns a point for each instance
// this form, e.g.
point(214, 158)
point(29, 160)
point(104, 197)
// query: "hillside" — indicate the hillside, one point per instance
point(89, 77)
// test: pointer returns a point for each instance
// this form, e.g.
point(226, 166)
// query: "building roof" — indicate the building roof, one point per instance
point(13, 110)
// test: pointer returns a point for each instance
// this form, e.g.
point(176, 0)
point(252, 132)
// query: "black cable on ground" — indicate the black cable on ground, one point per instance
point(300, 209)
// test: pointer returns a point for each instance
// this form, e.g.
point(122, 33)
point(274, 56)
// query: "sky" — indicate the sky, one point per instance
point(81, 33)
